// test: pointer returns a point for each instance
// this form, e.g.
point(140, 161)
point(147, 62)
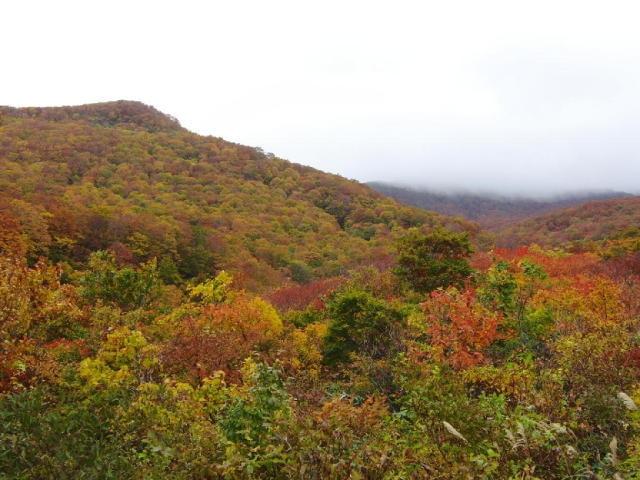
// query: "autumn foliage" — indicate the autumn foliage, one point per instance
point(460, 328)
point(220, 337)
point(175, 306)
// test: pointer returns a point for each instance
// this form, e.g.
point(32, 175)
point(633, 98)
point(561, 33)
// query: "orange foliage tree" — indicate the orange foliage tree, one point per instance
point(221, 336)
point(460, 328)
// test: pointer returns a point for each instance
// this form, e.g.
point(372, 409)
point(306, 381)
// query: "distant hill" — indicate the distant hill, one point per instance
point(490, 211)
point(595, 220)
point(126, 177)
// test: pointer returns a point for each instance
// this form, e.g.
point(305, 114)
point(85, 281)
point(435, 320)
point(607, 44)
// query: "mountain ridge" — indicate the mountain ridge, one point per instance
point(130, 113)
point(589, 221)
point(491, 211)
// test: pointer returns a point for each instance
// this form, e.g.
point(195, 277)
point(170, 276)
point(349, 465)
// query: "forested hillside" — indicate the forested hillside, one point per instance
point(123, 176)
point(490, 211)
point(591, 221)
point(175, 306)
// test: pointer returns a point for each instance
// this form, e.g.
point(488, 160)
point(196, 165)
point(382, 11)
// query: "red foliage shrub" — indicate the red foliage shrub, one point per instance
point(220, 338)
point(298, 297)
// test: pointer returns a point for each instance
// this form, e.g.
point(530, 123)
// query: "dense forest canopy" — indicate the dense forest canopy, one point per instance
point(178, 306)
point(123, 176)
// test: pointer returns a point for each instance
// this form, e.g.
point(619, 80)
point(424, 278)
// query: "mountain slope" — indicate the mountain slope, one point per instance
point(489, 211)
point(123, 176)
point(590, 221)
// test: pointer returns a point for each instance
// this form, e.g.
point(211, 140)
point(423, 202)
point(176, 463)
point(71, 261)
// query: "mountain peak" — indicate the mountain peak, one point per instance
point(121, 112)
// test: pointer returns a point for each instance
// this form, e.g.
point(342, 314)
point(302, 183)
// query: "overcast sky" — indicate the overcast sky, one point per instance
point(514, 96)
